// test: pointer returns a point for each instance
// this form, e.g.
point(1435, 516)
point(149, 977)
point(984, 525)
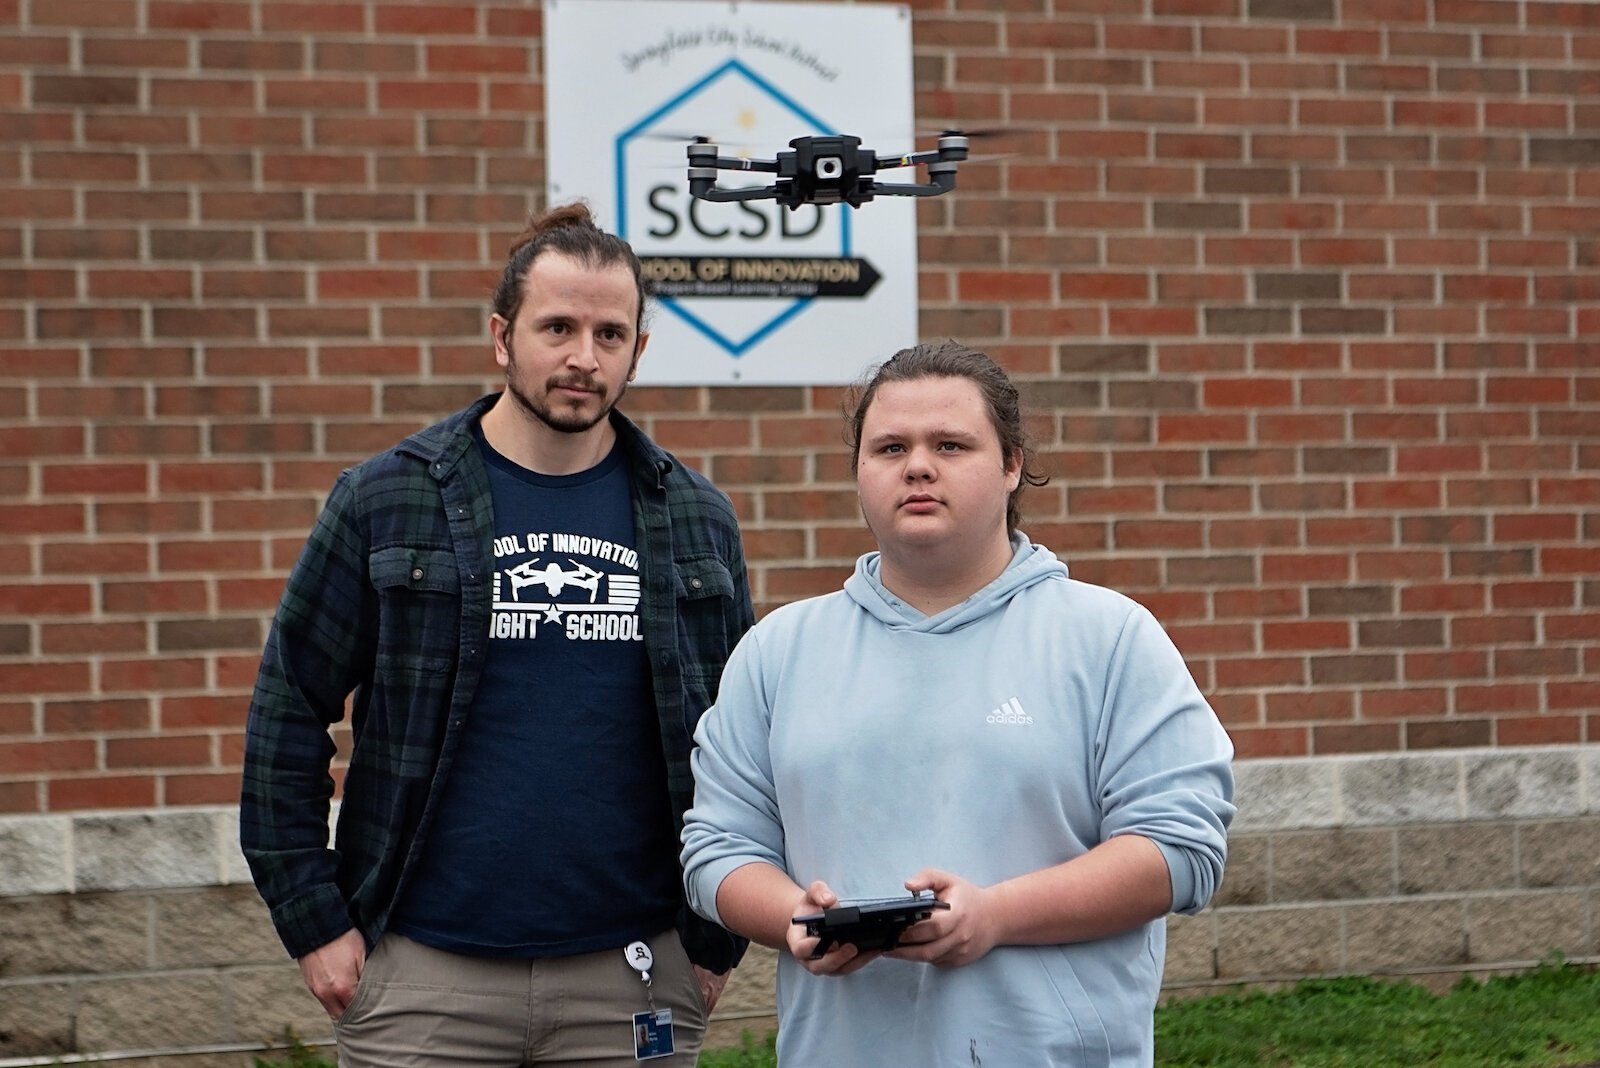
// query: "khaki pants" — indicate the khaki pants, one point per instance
point(416, 1005)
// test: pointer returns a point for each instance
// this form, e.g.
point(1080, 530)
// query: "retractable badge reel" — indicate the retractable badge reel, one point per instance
point(652, 1030)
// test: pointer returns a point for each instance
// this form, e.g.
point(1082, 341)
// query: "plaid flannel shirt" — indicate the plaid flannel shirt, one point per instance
point(390, 603)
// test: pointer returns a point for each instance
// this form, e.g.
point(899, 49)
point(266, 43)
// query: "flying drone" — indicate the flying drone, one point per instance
point(826, 169)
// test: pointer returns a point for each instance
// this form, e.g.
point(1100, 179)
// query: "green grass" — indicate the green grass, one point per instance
point(1546, 1018)
point(1540, 1019)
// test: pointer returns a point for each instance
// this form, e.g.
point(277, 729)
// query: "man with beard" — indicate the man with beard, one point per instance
point(526, 608)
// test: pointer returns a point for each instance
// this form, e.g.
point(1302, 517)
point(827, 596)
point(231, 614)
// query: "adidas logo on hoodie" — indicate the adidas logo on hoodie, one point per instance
point(1011, 714)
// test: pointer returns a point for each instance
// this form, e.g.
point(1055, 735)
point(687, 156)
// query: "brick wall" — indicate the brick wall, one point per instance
point(1305, 294)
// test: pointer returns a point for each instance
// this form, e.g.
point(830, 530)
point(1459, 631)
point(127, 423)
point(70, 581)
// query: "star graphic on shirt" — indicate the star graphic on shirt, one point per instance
point(552, 614)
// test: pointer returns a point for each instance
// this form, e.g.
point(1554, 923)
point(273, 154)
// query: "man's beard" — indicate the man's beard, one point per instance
point(565, 422)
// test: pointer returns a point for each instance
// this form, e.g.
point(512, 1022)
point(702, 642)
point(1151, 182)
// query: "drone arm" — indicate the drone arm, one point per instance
point(735, 163)
point(942, 179)
point(706, 189)
point(909, 159)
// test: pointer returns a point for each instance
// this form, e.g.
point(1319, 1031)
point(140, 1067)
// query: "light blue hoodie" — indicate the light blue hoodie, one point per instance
point(857, 741)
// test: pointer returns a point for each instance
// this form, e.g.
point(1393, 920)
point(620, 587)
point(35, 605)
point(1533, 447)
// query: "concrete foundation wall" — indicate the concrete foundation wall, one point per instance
point(141, 931)
point(1424, 865)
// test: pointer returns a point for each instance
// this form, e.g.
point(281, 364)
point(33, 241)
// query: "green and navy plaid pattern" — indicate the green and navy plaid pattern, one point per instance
point(388, 609)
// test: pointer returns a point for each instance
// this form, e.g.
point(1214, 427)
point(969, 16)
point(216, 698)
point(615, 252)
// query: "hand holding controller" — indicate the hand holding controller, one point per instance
point(868, 923)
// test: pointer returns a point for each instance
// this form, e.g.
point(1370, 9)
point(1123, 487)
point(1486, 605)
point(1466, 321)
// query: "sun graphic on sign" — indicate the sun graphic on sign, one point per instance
point(747, 119)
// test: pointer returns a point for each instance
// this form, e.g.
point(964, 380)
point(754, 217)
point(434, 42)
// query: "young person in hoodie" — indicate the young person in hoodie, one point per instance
point(962, 718)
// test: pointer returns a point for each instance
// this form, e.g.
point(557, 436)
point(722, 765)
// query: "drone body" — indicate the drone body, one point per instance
point(826, 169)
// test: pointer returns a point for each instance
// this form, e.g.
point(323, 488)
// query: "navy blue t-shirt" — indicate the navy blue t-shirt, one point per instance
point(554, 834)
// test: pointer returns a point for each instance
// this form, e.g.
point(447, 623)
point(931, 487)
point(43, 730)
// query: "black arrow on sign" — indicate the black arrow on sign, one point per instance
point(750, 277)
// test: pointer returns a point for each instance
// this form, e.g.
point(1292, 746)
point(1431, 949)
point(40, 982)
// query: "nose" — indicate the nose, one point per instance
point(919, 466)
point(582, 354)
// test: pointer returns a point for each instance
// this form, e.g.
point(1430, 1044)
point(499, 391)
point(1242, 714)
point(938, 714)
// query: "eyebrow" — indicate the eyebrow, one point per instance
point(942, 433)
point(564, 317)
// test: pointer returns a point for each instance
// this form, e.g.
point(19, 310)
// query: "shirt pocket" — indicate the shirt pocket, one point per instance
point(705, 624)
point(701, 578)
point(419, 610)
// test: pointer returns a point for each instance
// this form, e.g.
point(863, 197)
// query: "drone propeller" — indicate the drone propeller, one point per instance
point(674, 135)
point(977, 133)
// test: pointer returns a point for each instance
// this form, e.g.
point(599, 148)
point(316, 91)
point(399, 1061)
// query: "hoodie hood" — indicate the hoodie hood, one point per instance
point(1030, 564)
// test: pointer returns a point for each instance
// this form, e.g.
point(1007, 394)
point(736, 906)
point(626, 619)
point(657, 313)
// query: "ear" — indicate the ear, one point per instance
point(499, 329)
point(1013, 470)
point(638, 351)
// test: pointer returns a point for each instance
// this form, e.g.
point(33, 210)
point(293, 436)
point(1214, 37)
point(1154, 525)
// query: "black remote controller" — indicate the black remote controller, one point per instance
point(868, 923)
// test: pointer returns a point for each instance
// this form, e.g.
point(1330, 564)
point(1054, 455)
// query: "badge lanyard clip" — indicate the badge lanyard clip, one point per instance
point(652, 1030)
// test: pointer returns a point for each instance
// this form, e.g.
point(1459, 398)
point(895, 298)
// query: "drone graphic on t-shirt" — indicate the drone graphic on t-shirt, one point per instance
point(553, 578)
point(587, 587)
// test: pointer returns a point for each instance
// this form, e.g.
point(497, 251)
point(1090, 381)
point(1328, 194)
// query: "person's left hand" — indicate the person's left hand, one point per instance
point(711, 985)
point(949, 938)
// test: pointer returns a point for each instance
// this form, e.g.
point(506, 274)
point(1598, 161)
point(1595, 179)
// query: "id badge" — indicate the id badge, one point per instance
point(652, 1035)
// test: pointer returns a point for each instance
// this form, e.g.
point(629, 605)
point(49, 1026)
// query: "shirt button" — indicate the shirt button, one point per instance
point(696, 583)
point(416, 574)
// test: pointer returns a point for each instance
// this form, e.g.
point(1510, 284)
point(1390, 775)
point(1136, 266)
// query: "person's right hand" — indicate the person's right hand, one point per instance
point(843, 958)
point(332, 971)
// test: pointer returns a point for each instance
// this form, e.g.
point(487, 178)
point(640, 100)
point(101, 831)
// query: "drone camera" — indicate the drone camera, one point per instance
point(830, 168)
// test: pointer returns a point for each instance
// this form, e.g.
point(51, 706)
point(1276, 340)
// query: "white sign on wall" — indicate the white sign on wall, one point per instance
point(820, 292)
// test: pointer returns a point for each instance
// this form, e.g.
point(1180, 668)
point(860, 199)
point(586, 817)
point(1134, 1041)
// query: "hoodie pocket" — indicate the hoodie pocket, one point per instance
point(1093, 1043)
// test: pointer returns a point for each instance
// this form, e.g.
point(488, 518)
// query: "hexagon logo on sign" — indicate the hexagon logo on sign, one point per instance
point(683, 240)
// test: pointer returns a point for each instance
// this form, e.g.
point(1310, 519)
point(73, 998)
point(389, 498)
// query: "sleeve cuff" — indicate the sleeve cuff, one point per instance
point(311, 920)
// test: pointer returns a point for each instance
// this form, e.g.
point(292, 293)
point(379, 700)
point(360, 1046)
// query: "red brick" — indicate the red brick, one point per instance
point(42, 518)
point(1251, 742)
point(1492, 630)
point(104, 557)
point(1538, 730)
point(1259, 603)
point(166, 750)
point(1408, 565)
point(1276, 429)
point(1133, 534)
point(1391, 495)
point(1252, 533)
point(87, 637)
point(1236, 708)
point(1330, 739)
point(48, 757)
point(281, 16)
point(1447, 734)
point(209, 477)
point(1504, 697)
point(102, 791)
point(1580, 696)
point(221, 788)
point(1561, 561)
point(1572, 628)
point(1009, 286)
point(1255, 392)
point(1535, 527)
point(1278, 636)
point(155, 596)
point(1449, 666)
point(94, 716)
point(144, 676)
